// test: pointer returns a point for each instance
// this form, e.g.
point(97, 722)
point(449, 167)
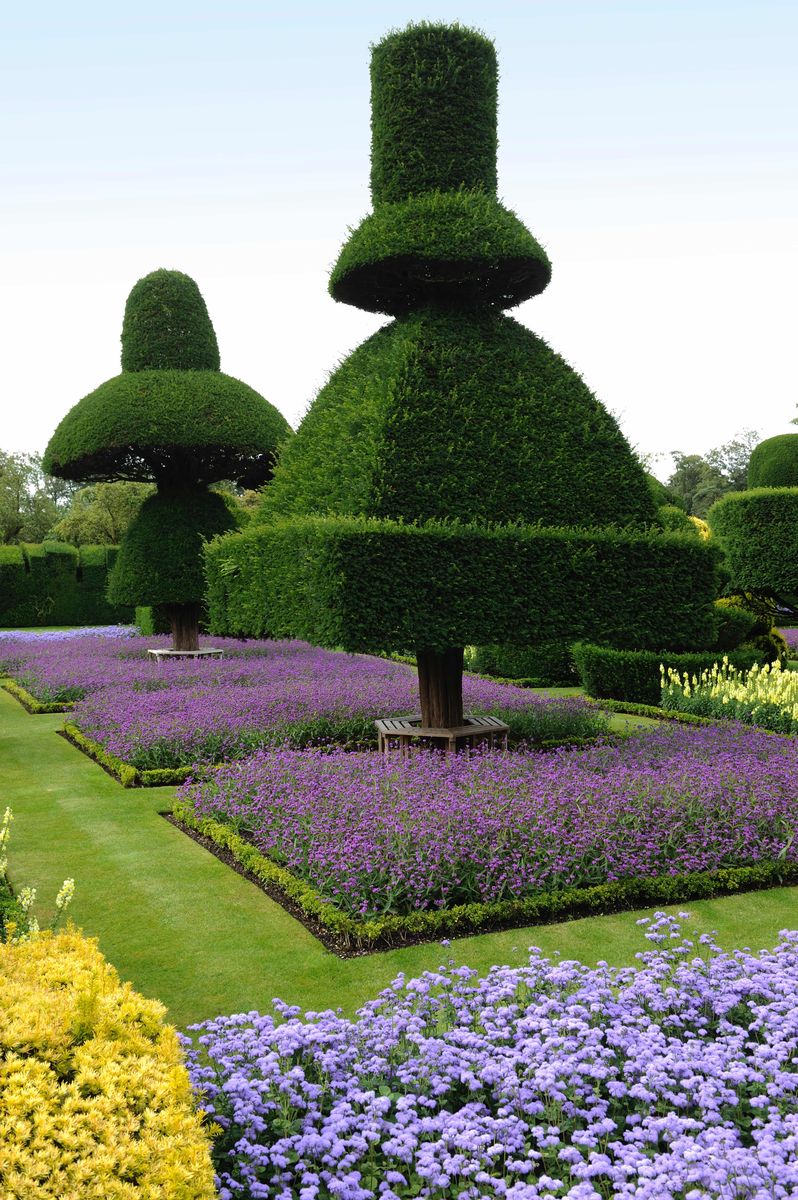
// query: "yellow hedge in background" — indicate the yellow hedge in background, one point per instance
point(94, 1099)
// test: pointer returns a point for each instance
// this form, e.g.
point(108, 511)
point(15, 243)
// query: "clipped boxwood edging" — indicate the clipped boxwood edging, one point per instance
point(341, 933)
point(124, 772)
point(29, 701)
point(628, 708)
point(130, 776)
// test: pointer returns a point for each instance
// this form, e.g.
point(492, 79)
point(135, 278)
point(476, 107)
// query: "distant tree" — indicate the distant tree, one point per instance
point(699, 480)
point(731, 459)
point(30, 501)
point(101, 514)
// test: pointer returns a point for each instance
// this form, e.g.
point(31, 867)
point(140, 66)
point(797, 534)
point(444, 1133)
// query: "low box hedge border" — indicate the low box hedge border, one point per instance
point(629, 708)
point(130, 776)
point(345, 935)
point(124, 772)
point(29, 701)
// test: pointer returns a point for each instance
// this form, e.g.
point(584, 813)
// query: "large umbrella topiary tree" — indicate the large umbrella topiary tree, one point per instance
point(171, 418)
point(455, 481)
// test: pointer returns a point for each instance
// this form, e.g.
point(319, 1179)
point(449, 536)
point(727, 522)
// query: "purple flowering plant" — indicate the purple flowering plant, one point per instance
point(672, 1080)
point(174, 714)
point(378, 836)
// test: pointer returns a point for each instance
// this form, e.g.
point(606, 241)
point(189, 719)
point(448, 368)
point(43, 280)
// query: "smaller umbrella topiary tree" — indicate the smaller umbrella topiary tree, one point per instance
point(174, 419)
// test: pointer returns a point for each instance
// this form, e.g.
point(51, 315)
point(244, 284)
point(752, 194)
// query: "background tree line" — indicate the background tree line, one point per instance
point(36, 507)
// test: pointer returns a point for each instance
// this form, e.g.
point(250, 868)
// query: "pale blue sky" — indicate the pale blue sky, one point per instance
point(651, 147)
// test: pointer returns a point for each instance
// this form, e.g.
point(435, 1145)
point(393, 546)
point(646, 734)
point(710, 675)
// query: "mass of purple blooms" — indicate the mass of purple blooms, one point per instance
point(672, 1080)
point(790, 636)
point(174, 714)
point(429, 831)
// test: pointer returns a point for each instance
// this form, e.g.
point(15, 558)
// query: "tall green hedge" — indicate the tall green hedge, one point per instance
point(757, 531)
point(368, 584)
point(774, 462)
point(55, 584)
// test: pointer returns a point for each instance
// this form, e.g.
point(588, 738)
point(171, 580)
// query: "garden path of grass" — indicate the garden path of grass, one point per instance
point(189, 931)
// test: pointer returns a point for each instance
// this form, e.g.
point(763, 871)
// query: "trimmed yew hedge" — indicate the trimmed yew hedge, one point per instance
point(757, 531)
point(53, 583)
point(370, 585)
point(774, 462)
point(404, 429)
point(634, 675)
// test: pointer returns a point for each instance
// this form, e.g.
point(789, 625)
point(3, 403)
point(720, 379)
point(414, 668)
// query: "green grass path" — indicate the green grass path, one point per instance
point(189, 931)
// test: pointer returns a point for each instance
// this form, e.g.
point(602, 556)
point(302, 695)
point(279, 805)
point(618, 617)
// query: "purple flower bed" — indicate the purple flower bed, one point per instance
point(175, 714)
point(74, 663)
point(430, 831)
point(791, 637)
point(674, 1079)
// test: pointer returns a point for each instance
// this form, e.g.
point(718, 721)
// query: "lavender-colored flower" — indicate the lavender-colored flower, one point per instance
point(429, 831)
point(261, 693)
point(674, 1079)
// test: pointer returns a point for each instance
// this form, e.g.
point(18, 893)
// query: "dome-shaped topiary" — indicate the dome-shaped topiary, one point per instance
point(166, 326)
point(169, 425)
point(438, 234)
point(774, 462)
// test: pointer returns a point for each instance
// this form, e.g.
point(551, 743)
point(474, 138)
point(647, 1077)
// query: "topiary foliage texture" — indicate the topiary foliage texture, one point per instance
point(774, 462)
point(757, 531)
point(174, 419)
point(453, 415)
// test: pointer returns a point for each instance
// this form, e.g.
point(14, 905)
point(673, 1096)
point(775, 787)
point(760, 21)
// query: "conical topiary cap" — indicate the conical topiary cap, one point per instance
point(437, 234)
point(167, 327)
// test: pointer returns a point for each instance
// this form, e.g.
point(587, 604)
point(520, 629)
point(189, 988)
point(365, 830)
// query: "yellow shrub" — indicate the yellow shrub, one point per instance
point(704, 532)
point(95, 1102)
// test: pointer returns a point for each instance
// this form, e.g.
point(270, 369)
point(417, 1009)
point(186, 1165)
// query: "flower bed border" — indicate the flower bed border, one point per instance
point(29, 701)
point(345, 935)
point(630, 708)
point(124, 772)
point(130, 776)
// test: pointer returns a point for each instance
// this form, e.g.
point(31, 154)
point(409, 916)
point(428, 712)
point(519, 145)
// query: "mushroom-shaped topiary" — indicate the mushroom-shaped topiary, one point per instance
point(174, 419)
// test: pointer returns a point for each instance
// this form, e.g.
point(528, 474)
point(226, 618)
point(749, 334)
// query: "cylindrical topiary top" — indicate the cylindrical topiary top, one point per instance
point(433, 112)
point(438, 235)
point(774, 462)
point(167, 327)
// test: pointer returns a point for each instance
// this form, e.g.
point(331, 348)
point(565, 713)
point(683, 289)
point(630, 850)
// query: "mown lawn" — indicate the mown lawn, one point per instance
point(186, 929)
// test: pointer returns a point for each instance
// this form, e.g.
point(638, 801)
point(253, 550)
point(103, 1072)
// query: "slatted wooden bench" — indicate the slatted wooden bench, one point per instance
point(403, 733)
point(161, 655)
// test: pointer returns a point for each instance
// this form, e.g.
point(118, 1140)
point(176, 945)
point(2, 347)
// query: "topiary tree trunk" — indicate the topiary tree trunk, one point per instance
point(184, 621)
point(440, 687)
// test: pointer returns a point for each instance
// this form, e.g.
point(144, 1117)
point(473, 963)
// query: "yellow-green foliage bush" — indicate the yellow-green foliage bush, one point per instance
point(94, 1099)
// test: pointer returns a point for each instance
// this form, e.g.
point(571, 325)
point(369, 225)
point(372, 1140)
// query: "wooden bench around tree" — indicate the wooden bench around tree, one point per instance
point(404, 733)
